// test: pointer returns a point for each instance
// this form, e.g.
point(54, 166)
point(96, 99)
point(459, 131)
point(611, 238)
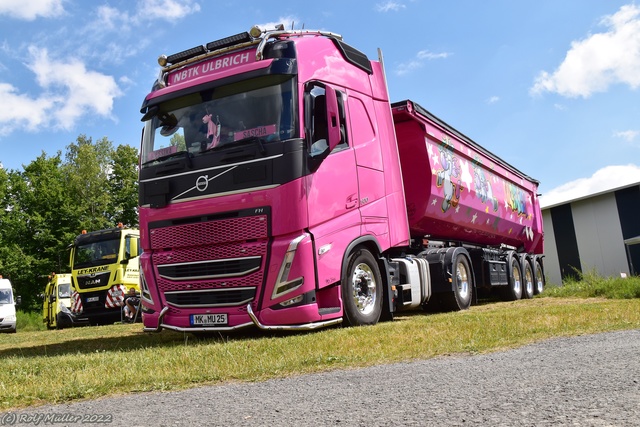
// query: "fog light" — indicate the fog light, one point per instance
point(291, 301)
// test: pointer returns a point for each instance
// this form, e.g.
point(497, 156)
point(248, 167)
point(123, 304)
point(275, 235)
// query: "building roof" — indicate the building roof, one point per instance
point(589, 196)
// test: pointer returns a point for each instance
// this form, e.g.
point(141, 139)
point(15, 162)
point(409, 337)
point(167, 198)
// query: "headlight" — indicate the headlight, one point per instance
point(283, 284)
point(10, 318)
point(144, 289)
point(63, 308)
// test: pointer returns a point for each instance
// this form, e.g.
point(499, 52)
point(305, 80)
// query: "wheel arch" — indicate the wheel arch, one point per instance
point(445, 257)
point(368, 242)
point(371, 244)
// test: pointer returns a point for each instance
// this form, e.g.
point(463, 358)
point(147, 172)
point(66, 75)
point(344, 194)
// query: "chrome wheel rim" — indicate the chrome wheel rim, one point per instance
point(517, 281)
point(539, 282)
point(363, 285)
point(462, 281)
point(529, 281)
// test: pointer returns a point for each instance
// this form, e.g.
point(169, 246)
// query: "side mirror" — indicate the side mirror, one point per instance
point(18, 300)
point(52, 298)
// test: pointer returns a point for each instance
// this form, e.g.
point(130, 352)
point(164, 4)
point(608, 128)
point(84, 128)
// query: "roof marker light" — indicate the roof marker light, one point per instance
point(255, 31)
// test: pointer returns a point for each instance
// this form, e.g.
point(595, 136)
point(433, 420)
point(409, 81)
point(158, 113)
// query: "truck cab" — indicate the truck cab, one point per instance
point(7, 307)
point(57, 302)
point(104, 266)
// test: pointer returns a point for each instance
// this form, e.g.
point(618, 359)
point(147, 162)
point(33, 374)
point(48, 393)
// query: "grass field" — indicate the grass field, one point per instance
point(41, 366)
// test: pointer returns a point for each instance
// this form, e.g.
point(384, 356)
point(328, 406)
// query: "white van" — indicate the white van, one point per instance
point(7, 307)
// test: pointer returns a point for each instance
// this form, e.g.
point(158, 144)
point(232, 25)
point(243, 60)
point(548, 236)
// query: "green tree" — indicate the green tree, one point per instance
point(123, 186)
point(177, 140)
point(86, 169)
point(43, 208)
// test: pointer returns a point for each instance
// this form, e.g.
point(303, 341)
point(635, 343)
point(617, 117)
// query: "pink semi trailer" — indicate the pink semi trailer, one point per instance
point(280, 189)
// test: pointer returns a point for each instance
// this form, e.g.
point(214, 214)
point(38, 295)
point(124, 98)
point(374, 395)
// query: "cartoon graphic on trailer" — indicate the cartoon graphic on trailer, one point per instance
point(450, 171)
point(515, 199)
point(482, 185)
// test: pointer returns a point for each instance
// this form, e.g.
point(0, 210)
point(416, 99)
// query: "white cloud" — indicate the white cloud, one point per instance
point(288, 22)
point(600, 60)
point(418, 62)
point(31, 9)
point(110, 19)
point(168, 10)
point(627, 135)
point(21, 111)
point(493, 100)
point(390, 6)
point(82, 91)
point(607, 178)
point(425, 54)
point(69, 92)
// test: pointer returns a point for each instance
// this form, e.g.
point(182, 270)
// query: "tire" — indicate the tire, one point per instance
point(539, 278)
point(528, 284)
point(362, 292)
point(462, 283)
point(513, 291)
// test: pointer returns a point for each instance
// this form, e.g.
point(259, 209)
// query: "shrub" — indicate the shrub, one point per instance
point(591, 284)
point(29, 321)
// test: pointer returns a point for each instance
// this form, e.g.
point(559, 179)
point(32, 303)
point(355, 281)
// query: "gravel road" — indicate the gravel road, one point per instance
point(591, 380)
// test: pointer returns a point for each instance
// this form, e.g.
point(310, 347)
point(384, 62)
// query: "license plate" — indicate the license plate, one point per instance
point(93, 299)
point(209, 319)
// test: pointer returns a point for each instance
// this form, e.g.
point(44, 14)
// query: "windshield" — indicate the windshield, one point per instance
point(64, 290)
point(96, 253)
point(5, 296)
point(218, 118)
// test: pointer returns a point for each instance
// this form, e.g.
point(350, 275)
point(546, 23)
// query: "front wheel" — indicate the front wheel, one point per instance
point(362, 290)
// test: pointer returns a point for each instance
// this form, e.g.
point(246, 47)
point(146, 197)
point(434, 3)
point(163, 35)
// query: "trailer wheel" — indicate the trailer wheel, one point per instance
point(539, 278)
point(529, 281)
point(513, 291)
point(362, 290)
point(462, 283)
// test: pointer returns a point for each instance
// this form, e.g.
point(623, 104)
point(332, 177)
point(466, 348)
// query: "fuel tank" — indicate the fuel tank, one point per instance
point(457, 190)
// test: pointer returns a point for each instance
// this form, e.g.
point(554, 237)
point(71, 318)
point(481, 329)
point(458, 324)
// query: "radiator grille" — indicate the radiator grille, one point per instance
point(214, 263)
point(210, 269)
point(93, 281)
point(211, 298)
point(209, 233)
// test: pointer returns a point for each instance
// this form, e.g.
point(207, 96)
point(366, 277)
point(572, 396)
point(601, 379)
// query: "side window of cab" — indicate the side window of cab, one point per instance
point(317, 122)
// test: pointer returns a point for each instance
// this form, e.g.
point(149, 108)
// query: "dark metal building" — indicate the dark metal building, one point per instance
point(599, 232)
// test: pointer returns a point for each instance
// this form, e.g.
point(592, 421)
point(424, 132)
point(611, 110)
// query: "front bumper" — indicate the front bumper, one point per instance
point(159, 325)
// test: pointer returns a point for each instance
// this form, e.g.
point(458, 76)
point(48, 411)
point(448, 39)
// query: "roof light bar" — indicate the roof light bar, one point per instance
point(229, 41)
point(181, 56)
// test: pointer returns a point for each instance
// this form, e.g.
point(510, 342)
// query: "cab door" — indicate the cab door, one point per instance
point(332, 188)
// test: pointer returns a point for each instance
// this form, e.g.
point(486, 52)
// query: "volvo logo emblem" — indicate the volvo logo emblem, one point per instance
point(202, 183)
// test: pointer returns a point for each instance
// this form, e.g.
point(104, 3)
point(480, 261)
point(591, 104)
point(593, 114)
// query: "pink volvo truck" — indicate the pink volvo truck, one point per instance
point(280, 189)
